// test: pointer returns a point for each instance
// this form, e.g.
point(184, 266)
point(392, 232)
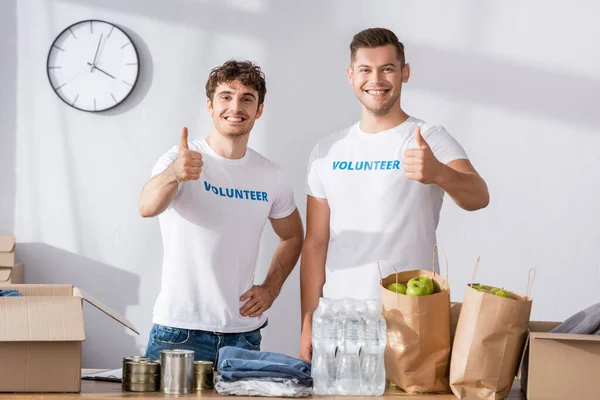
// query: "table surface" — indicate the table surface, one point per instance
point(112, 390)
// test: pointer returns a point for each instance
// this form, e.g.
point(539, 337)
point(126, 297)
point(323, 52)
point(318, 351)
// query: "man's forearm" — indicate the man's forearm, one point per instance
point(158, 193)
point(312, 278)
point(284, 259)
point(468, 190)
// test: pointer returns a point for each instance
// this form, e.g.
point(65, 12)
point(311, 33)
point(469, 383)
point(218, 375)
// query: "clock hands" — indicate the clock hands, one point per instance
point(93, 64)
point(104, 72)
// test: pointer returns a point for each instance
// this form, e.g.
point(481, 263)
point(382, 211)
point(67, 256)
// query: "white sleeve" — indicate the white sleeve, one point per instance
point(443, 145)
point(165, 160)
point(314, 186)
point(284, 203)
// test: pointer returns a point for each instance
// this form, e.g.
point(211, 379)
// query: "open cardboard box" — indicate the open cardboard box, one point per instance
point(560, 365)
point(41, 335)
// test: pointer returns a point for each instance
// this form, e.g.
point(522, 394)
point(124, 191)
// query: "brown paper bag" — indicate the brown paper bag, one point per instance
point(418, 335)
point(488, 343)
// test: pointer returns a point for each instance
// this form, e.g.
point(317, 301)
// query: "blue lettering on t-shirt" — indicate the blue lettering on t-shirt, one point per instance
point(367, 165)
point(252, 195)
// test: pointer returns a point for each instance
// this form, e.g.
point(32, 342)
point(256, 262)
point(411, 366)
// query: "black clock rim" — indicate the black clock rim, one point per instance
point(136, 75)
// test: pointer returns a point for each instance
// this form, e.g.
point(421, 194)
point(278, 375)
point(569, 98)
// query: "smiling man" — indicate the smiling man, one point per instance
point(375, 189)
point(213, 197)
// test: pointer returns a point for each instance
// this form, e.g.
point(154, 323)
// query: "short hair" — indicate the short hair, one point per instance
point(248, 73)
point(376, 37)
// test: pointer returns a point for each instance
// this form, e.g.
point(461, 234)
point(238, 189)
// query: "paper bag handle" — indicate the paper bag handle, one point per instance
point(435, 247)
point(381, 275)
point(530, 280)
point(475, 269)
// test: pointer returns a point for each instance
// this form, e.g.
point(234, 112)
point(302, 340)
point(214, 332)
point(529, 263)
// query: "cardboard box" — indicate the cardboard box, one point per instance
point(7, 250)
point(41, 337)
point(13, 275)
point(560, 365)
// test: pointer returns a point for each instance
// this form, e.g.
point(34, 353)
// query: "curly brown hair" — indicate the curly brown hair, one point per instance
point(248, 73)
point(376, 37)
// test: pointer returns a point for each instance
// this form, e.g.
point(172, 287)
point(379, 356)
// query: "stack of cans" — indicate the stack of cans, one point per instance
point(140, 374)
point(203, 375)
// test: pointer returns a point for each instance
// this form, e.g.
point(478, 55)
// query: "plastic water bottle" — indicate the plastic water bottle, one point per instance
point(323, 351)
point(349, 372)
point(368, 354)
point(317, 348)
point(373, 367)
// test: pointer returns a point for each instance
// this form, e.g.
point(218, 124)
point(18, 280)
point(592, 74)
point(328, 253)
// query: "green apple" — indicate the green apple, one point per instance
point(423, 279)
point(418, 288)
point(481, 288)
point(397, 287)
point(502, 293)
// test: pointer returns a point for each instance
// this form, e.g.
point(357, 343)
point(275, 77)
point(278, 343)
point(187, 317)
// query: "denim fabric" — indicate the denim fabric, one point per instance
point(235, 363)
point(205, 344)
point(10, 293)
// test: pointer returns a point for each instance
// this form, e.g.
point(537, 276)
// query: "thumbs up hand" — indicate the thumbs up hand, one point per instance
point(188, 164)
point(420, 164)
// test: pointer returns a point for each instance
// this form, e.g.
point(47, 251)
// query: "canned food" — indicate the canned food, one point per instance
point(141, 367)
point(177, 371)
point(203, 375)
point(142, 378)
point(139, 387)
point(140, 374)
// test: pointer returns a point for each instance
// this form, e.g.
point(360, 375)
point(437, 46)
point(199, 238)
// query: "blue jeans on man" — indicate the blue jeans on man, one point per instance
point(205, 344)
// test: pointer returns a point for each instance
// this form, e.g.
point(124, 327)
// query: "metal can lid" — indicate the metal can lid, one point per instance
point(136, 358)
point(177, 353)
point(203, 363)
point(143, 362)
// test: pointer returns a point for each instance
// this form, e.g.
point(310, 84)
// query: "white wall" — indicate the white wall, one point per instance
point(8, 111)
point(516, 82)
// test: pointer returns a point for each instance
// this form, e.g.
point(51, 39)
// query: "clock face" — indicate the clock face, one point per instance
point(93, 65)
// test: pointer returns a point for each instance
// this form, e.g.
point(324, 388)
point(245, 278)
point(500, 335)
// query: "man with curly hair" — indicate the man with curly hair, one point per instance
point(213, 197)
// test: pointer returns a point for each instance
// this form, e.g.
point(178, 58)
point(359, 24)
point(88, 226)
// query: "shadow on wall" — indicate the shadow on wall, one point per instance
point(107, 342)
point(145, 77)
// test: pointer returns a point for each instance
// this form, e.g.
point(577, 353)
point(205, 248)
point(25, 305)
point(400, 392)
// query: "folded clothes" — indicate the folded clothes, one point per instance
point(235, 363)
point(584, 322)
point(10, 293)
point(269, 387)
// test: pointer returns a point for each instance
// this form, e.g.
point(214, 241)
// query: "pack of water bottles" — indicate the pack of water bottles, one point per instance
point(348, 338)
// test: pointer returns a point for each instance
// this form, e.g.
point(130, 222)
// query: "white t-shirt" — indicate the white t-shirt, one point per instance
point(376, 212)
point(211, 233)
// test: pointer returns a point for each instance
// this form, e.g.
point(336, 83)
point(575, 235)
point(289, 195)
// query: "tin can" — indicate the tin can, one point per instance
point(142, 378)
point(140, 374)
point(177, 371)
point(139, 387)
point(141, 367)
point(203, 375)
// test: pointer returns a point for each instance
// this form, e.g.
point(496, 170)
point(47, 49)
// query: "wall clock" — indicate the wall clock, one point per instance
point(93, 65)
